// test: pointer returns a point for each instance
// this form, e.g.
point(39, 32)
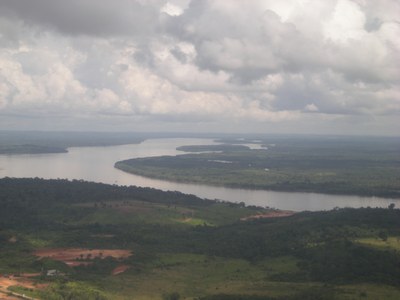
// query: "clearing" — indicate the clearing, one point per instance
point(80, 256)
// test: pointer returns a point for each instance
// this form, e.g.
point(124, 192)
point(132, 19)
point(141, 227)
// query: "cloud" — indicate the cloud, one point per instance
point(208, 61)
point(87, 17)
point(311, 108)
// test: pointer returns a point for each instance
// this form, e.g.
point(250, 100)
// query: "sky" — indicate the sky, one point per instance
point(266, 66)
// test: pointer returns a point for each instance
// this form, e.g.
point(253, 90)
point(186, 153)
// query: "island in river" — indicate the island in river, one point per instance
point(330, 165)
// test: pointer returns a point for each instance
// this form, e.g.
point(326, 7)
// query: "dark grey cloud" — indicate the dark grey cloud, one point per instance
point(87, 17)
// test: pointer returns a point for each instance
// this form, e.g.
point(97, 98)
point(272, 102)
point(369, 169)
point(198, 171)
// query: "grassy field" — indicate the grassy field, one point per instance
point(386, 243)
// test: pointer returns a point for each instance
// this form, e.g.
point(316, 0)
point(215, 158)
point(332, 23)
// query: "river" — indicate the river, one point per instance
point(97, 164)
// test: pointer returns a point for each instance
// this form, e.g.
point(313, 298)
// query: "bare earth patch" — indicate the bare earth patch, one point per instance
point(7, 297)
point(270, 214)
point(6, 282)
point(79, 256)
point(120, 269)
point(22, 280)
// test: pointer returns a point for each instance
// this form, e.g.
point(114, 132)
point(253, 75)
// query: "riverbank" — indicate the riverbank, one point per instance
point(37, 142)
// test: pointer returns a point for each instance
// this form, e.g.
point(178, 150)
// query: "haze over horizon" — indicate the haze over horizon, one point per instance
point(295, 66)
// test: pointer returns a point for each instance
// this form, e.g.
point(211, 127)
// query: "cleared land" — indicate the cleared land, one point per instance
point(77, 256)
point(120, 269)
point(24, 281)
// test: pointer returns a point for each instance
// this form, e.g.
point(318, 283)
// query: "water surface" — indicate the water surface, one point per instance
point(97, 164)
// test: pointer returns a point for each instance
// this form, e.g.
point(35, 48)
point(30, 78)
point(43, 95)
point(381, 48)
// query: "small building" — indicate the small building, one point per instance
point(52, 273)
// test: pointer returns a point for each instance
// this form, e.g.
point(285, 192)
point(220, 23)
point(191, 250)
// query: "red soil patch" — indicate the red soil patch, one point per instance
point(270, 214)
point(75, 263)
point(29, 275)
point(23, 280)
point(20, 281)
point(73, 256)
point(7, 297)
point(120, 269)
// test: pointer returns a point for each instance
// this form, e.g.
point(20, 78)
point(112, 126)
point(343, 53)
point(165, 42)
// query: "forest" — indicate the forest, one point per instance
point(330, 165)
point(184, 247)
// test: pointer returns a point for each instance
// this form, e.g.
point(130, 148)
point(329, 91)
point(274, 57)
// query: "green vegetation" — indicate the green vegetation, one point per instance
point(208, 148)
point(358, 166)
point(188, 248)
point(382, 242)
point(30, 149)
point(34, 142)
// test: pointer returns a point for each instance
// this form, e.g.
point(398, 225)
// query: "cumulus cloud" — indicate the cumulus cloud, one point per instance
point(208, 61)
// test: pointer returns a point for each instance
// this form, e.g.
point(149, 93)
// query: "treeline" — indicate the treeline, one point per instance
point(41, 202)
point(30, 149)
point(40, 191)
point(33, 142)
point(208, 148)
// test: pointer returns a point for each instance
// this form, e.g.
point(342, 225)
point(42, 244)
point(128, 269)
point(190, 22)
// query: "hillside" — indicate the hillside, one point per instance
point(109, 242)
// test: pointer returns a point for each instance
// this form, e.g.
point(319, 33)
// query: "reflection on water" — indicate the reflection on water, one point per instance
point(97, 164)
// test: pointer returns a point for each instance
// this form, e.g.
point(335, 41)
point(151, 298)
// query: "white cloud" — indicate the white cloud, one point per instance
point(347, 22)
point(171, 9)
point(208, 61)
point(311, 108)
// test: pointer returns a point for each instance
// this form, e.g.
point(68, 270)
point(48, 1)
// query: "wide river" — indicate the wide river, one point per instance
point(97, 164)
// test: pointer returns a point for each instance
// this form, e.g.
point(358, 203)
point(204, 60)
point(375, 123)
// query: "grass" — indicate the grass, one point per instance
point(37, 242)
point(133, 212)
point(24, 291)
point(194, 275)
point(195, 222)
point(369, 292)
point(222, 213)
point(279, 265)
point(391, 243)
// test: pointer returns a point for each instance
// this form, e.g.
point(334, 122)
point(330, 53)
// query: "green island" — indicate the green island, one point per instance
point(330, 165)
point(64, 239)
